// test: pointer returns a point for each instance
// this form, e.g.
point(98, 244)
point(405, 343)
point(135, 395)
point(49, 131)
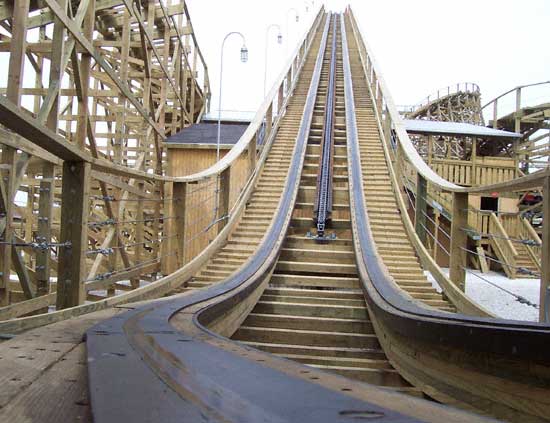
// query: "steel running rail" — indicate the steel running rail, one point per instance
point(323, 202)
point(489, 356)
point(171, 368)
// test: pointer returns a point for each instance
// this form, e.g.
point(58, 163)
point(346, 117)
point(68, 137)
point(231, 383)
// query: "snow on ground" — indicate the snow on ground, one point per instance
point(497, 301)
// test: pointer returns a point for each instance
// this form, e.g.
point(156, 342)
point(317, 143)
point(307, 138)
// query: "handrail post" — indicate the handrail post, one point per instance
point(495, 114)
point(459, 240)
point(268, 122)
point(223, 195)
point(74, 231)
point(280, 99)
point(8, 159)
point(252, 147)
point(517, 127)
point(179, 210)
point(421, 208)
point(544, 313)
point(45, 209)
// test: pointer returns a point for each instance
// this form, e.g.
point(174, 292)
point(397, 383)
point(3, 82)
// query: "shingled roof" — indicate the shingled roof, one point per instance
point(207, 133)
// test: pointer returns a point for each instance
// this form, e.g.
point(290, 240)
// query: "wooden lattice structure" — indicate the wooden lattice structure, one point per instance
point(91, 90)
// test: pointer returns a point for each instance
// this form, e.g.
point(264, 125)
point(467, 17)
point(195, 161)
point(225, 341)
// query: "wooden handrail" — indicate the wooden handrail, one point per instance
point(410, 153)
point(519, 87)
point(501, 232)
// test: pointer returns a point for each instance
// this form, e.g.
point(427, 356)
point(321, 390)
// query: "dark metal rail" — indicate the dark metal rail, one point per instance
point(143, 369)
point(323, 201)
point(487, 347)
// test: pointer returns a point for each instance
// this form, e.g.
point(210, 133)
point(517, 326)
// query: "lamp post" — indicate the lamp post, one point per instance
point(297, 20)
point(279, 40)
point(244, 59)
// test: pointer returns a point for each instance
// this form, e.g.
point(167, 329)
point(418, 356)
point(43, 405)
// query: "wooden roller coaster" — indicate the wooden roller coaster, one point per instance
point(307, 298)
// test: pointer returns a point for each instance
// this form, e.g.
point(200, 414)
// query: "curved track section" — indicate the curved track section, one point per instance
point(170, 368)
point(495, 366)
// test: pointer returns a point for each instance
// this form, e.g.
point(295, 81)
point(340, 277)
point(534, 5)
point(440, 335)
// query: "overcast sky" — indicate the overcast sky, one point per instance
point(420, 45)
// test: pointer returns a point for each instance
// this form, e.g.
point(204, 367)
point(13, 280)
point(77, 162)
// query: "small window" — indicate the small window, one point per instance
point(489, 203)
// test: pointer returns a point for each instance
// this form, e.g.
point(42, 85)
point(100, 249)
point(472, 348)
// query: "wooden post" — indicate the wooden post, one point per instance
point(45, 213)
point(6, 216)
point(139, 235)
point(544, 309)
point(74, 229)
point(459, 240)
point(280, 99)
point(223, 203)
point(268, 122)
point(430, 150)
point(179, 209)
point(437, 219)
point(517, 127)
point(17, 50)
point(473, 174)
point(252, 146)
point(421, 208)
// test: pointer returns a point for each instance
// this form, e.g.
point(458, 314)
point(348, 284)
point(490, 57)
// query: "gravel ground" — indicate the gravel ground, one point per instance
point(496, 300)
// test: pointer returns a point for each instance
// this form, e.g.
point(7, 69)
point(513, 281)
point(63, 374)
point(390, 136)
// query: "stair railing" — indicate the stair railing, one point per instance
point(402, 151)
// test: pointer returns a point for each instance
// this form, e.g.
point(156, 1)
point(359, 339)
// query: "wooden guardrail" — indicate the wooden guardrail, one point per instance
point(405, 157)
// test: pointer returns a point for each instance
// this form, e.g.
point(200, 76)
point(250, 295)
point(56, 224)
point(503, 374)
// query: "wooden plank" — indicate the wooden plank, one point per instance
point(45, 210)
point(482, 259)
point(17, 51)
point(421, 208)
point(544, 309)
point(459, 240)
point(74, 225)
point(6, 214)
point(223, 202)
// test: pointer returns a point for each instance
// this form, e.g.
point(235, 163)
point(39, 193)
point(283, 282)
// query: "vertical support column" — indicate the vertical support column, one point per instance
point(288, 81)
point(430, 150)
point(495, 114)
point(459, 239)
point(179, 209)
point(379, 100)
point(6, 216)
point(193, 89)
point(421, 208)
point(17, 50)
point(139, 234)
point(56, 71)
point(252, 146)
point(85, 68)
point(74, 229)
point(544, 309)
point(280, 99)
point(45, 212)
point(225, 190)
point(517, 127)
point(268, 122)
point(387, 127)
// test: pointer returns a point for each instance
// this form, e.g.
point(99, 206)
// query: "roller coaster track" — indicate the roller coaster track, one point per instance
point(276, 327)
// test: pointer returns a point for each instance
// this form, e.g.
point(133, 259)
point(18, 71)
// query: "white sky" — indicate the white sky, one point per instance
point(420, 45)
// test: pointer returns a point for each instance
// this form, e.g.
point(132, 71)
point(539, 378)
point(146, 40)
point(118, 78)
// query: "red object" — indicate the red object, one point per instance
point(494, 194)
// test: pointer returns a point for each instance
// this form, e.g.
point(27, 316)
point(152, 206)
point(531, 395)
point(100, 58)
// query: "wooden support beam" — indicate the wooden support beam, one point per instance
point(252, 146)
point(268, 122)
point(459, 240)
point(74, 230)
point(421, 208)
point(17, 50)
point(45, 212)
point(544, 309)
point(223, 195)
point(179, 210)
point(6, 214)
